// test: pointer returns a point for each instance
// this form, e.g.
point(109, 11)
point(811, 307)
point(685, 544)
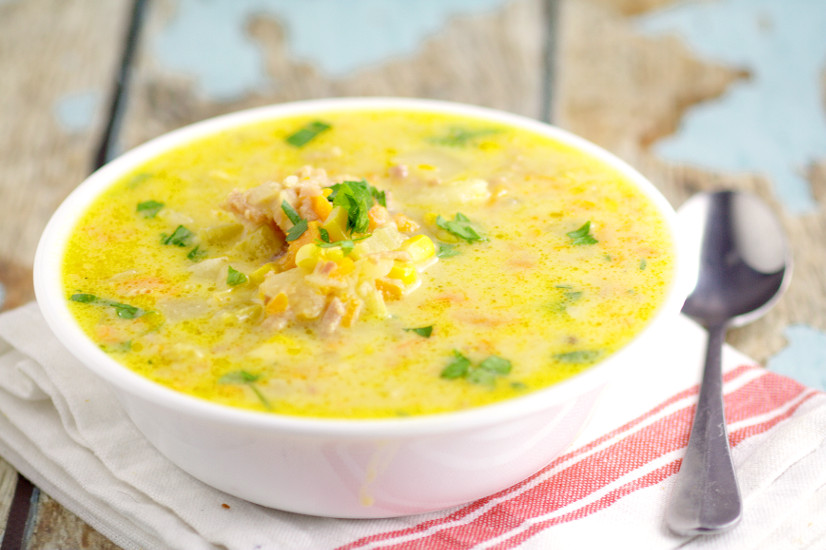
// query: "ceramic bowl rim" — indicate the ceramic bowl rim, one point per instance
point(51, 300)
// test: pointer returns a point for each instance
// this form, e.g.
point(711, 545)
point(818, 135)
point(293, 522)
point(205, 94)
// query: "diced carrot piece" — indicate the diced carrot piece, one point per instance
point(391, 289)
point(287, 261)
point(352, 313)
point(378, 216)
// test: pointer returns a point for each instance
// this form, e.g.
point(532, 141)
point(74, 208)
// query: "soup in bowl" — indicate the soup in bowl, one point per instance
point(360, 307)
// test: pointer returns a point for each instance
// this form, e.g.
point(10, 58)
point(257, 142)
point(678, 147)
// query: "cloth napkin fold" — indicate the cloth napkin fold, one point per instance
point(63, 429)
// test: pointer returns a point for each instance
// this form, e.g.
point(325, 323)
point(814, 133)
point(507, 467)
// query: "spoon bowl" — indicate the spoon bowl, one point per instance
point(742, 265)
point(743, 262)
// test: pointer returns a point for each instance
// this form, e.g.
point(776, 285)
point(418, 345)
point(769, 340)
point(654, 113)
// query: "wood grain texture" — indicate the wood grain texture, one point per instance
point(492, 59)
point(49, 50)
point(624, 91)
point(57, 529)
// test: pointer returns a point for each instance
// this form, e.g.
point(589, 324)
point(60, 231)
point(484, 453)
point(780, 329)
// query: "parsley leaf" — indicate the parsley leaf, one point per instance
point(180, 237)
point(296, 231)
point(461, 227)
point(357, 197)
point(459, 137)
point(485, 373)
point(149, 209)
point(124, 311)
point(496, 365)
point(458, 368)
point(582, 235)
point(288, 209)
point(307, 133)
point(324, 234)
point(447, 251)
point(346, 245)
point(196, 254)
point(300, 225)
point(238, 377)
point(578, 356)
point(235, 277)
point(643, 264)
point(244, 377)
point(424, 332)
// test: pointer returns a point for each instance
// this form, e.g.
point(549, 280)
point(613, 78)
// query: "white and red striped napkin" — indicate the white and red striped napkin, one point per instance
point(63, 429)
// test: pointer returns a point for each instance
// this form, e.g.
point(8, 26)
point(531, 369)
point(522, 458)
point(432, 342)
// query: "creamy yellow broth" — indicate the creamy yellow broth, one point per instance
point(530, 295)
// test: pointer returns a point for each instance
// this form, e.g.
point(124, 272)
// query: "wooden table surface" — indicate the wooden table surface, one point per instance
point(696, 95)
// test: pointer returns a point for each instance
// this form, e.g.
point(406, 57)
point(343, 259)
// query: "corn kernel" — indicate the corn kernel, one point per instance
point(278, 304)
point(344, 266)
point(404, 272)
point(420, 248)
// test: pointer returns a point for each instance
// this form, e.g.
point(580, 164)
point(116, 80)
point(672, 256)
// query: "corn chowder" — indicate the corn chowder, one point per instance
point(366, 264)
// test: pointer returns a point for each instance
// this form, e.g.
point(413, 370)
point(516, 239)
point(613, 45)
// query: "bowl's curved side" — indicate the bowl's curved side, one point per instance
point(362, 476)
point(334, 467)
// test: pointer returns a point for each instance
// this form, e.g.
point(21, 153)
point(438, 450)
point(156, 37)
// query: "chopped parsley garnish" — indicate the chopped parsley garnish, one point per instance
point(457, 368)
point(578, 356)
point(138, 179)
point(459, 137)
point(356, 197)
point(569, 296)
point(307, 133)
point(238, 377)
point(485, 373)
point(447, 251)
point(196, 254)
point(244, 377)
point(149, 209)
point(235, 277)
point(124, 311)
point(582, 235)
point(299, 224)
point(460, 226)
point(496, 365)
point(643, 264)
point(325, 235)
point(424, 332)
point(180, 237)
point(346, 245)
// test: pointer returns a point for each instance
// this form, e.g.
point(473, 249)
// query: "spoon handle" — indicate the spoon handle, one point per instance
point(706, 498)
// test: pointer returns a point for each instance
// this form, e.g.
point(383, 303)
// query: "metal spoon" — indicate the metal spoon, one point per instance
point(743, 264)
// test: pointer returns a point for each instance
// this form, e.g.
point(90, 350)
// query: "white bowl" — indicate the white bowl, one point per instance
point(342, 468)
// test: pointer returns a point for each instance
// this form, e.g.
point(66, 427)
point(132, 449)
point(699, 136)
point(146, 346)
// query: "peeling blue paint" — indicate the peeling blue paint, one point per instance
point(209, 41)
point(773, 123)
point(804, 358)
point(75, 112)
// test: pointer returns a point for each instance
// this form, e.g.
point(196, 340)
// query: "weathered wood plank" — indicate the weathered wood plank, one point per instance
point(56, 528)
point(493, 57)
point(57, 62)
point(57, 59)
point(625, 91)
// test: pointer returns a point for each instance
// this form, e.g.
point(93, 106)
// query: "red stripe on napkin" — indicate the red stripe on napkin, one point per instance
point(592, 467)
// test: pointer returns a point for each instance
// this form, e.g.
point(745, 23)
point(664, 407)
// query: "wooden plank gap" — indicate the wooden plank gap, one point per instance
point(549, 69)
point(108, 147)
point(22, 515)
